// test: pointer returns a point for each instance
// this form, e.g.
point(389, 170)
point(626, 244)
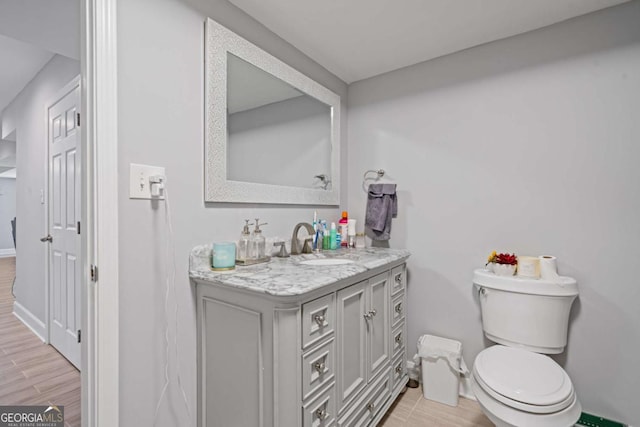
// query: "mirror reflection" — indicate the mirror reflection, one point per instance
point(276, 134)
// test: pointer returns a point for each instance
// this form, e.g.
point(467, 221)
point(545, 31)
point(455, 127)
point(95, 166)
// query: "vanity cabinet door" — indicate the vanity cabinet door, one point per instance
point(351, 343)
point(377, 322)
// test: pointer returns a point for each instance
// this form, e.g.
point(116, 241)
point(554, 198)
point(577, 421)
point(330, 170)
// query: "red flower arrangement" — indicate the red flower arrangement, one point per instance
point(509, 259)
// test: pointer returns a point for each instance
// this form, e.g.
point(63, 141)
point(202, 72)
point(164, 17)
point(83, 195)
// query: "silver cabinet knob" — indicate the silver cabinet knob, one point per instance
point(321, 414)
point(47, 238)
point(319, 318)
point(399, 339)
point(399, 368)
point(399, 308)
point(398, 278)
point(319, 367)
point(369, 315)
point(371, 406)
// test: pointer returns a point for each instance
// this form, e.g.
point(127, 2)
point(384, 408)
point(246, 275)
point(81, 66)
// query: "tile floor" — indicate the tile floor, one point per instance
point(411, 409)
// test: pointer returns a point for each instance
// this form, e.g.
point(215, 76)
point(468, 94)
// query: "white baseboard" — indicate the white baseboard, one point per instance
point(30, 321)
point(6, 253)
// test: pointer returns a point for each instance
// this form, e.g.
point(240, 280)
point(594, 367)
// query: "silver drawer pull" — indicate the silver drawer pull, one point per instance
point(322, 414)
point(319, 318)
point(371, 407)
point(399, 339)
point(370, 314)
point(399, 278)
point(399, 308)
point(319, 367)
point(399, 368)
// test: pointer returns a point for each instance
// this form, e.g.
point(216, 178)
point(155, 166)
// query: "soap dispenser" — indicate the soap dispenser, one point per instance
point(258, 242)
point(244, 247)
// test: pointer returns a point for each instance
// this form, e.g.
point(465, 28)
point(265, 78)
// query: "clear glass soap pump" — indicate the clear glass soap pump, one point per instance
point(258, 242)
point(244, 247)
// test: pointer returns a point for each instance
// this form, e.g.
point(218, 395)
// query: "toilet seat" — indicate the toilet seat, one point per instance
point(523, 380)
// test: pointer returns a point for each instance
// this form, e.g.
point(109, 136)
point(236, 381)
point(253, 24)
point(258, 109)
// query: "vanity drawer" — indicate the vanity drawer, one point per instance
point(321, 411)
point(366, 408)
point(398, 370)
point(318, 319)
point(398, 279)
point(398, 340)
point(397, 309)
point(318, 368)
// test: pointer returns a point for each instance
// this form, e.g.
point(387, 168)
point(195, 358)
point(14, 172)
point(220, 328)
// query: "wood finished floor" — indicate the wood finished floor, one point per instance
point(411, 409)
point(31, 372)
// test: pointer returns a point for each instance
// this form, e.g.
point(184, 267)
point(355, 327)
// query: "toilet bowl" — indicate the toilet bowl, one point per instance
point(515, 383)
point(516, 387)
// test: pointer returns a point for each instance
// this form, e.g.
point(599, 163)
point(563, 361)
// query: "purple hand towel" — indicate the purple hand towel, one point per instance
point(382, 206)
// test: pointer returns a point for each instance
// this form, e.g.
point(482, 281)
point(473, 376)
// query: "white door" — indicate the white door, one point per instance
point(64, 216)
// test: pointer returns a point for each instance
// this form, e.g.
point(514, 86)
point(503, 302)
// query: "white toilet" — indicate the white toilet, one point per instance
point(515, 384)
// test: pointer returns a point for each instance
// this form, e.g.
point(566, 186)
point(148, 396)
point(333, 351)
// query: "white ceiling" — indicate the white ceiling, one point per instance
point(53, 25)
point(9, 173)
point(31, 32)
point(357, 39)
point(7, 159)
point(20, 63)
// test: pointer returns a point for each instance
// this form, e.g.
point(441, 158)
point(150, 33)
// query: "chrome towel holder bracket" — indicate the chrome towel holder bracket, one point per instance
point(379, 174)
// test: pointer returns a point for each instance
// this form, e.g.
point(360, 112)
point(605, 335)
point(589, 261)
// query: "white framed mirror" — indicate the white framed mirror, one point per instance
point(272, 133)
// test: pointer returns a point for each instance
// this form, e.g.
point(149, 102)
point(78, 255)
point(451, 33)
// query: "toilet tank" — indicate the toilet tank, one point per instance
point(527, 313)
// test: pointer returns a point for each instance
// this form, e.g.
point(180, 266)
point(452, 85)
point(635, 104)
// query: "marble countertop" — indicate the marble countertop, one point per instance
point(286, 276)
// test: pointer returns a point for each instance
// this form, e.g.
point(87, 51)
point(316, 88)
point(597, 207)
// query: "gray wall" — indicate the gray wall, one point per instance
point(26, 116)
point(528, 144)
point(7, 211)
point(160, 77)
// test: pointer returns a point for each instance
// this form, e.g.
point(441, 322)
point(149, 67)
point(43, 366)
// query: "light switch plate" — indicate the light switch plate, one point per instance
point(139, 185)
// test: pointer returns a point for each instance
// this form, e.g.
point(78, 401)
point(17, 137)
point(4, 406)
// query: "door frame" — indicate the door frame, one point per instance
point(99, 242)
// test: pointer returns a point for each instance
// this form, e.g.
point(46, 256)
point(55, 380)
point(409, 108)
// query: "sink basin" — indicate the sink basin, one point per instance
point(327, 261)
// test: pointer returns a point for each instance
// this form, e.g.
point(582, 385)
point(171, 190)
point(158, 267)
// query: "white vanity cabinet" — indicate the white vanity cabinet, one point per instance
point(332, 356)
point(363, 335)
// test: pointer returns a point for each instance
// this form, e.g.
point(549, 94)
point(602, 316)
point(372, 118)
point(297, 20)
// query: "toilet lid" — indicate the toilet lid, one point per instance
point(523, 376)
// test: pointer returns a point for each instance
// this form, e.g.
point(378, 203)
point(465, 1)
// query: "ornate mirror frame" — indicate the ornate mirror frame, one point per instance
point(221, 41)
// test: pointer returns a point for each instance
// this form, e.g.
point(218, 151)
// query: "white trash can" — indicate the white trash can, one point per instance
point(442, 365)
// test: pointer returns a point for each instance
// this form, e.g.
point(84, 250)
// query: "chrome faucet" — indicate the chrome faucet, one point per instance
point(307, 248)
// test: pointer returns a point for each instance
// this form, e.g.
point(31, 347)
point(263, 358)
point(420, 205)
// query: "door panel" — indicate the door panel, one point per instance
point(378, 324)
point(64, 213)
point(351, 348)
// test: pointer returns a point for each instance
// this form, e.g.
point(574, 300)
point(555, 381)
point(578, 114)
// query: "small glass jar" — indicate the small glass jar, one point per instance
point(360, 241)
point(224, 256)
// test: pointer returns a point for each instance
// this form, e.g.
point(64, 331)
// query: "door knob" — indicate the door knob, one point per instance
point(48, 238)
